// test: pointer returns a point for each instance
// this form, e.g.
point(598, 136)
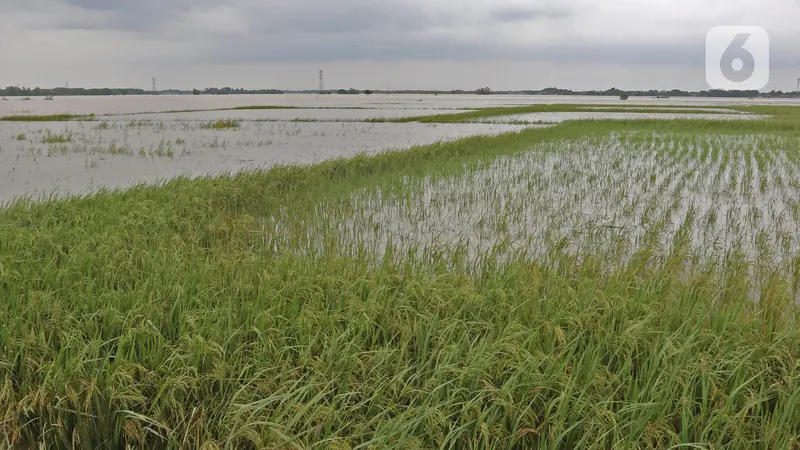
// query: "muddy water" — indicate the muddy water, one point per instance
point(332, 115)
point(60, 158)
point(588, 115)
point(146, 103)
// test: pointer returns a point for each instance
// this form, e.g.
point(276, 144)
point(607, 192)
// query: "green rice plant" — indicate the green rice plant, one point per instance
point(20, 137)
point(53, 138)
point(222, 124)
point(256, 107)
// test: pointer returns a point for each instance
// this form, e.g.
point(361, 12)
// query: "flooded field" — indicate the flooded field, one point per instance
point(708, 196)
point(277, 115)
point(139, 104)
point(132, 140)
point(60, 158)
point(558, 117)
point(586, 284)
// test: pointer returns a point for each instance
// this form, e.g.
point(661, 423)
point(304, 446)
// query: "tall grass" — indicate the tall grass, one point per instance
point(46, 118)
point(188, 314)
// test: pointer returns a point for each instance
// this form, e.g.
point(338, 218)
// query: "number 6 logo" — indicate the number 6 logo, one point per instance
point(737, 58)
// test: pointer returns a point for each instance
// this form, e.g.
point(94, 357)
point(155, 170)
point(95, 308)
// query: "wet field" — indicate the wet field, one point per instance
point(136, 139)
point(584, 284)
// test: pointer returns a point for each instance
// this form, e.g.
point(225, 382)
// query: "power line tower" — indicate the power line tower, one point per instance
point(154, 85)
point(798, 85)
point(321, 81)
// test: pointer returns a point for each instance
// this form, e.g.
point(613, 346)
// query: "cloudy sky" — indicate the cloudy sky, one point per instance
point(402, 44)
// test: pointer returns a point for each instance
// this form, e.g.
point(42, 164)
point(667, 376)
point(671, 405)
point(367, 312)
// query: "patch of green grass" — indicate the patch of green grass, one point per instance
point(245, 108)
point(20, 137)
point(484, 113)
point(47, 118)
point(56, 138)
point(222, 124)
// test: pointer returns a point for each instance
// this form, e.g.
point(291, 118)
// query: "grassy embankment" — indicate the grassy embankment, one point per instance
point(201, 313)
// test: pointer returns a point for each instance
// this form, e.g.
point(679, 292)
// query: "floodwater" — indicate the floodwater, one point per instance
point(134, 140)
point(710, 196)
point(559, 117)
point(145, 103)
point(330, 115)
point(61, 158)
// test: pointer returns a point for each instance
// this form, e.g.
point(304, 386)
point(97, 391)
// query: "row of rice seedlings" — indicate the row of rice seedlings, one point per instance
point(598, 195)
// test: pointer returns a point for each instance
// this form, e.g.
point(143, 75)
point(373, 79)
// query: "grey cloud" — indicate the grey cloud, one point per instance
point(278, 31)
point(274, 17)
point(134, 15)
point(348, 16)
point(527, 14)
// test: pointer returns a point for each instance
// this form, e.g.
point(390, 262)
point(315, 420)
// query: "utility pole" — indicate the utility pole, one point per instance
point(154, 85)
point(321, 81)
point(798, 85)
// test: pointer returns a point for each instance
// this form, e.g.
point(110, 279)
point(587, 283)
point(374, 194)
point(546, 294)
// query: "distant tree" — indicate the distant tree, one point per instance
point(195, 92)
point(483, 91)
point(623, 96)
point(341, 91)
point(368, 91)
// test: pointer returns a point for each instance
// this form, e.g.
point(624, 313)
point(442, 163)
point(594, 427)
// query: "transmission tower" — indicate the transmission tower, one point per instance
point(154, 85)
point(321, 81)
point(798, 85)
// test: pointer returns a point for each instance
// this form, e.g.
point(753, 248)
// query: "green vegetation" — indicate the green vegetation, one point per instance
point(20, 137)
point(597, 284)
point(56, 138)
point(222, 124)
point(240, 108)
point(48, 118)
point(484, 113)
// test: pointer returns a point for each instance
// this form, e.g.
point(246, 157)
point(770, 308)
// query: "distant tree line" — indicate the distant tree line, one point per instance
point(239, 91)
point(14, 91)
point(614, 92)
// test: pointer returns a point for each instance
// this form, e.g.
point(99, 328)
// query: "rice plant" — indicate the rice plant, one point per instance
point(56, 138)
point(222, 124)
point(589, 285)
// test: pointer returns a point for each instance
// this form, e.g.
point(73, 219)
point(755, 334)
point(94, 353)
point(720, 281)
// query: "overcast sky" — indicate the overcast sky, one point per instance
point(402, 44)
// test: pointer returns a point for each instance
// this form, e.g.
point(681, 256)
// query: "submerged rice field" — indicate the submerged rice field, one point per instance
point(612, 283)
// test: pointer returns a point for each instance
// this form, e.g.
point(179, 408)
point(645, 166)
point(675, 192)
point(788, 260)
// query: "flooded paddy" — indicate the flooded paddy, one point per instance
point(574, 285)
point(144, 103)
point(707, 197)
point(276, 115)
point(558, 117)
point(79, 157)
